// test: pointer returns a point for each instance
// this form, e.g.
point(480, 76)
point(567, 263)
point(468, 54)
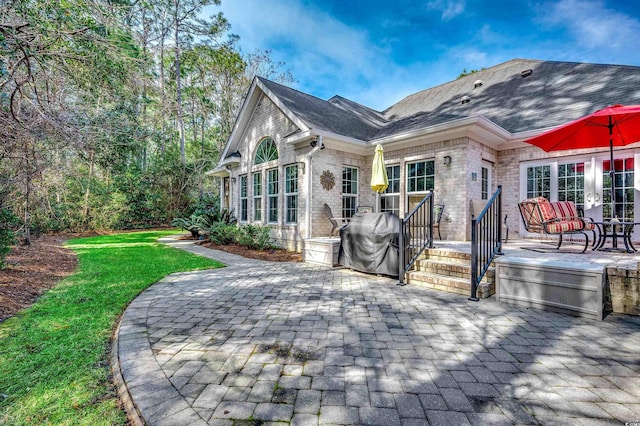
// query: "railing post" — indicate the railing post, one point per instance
point(499, 220)
point(474, 260)
point(401, 253)
point(431, 221)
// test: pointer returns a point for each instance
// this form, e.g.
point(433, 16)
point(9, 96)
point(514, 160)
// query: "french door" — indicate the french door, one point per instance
point(587, 182)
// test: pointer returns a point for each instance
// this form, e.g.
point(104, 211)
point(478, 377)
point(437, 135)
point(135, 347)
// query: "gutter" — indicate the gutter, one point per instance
point(308, 171)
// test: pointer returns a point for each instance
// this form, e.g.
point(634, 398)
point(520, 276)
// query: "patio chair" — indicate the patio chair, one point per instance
point(336, 222)
point(439, 210)
point(589, 224)
point(539, 216)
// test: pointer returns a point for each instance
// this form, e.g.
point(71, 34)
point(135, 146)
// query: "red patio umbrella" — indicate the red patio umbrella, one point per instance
point(615, 125)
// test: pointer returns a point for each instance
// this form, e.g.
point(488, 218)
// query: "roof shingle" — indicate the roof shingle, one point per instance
point(554, 93)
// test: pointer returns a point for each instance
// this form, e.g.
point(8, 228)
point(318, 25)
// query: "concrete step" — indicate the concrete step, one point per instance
point(449, 284)
point(452, 269)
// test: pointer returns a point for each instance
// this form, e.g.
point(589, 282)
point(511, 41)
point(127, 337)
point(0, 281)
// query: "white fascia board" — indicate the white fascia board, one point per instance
point(290, 115)
point(331, 140)
point(231, 161)
point(344, 143)
point(218, 171)
point(300, 137)
point(476, 127)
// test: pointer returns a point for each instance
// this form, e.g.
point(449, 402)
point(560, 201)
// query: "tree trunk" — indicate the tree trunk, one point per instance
point(87, 193)
point(183, 157)
point(27, 199)
point(163, 100)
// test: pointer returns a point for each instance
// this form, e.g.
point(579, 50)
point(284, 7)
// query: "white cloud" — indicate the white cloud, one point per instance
point(449, 8)
point(591, 24)
point(325, 55)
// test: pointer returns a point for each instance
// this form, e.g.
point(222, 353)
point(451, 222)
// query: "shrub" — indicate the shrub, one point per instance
point(222, 233)
point(188, 224)
point(215, 214)
point(254, 236)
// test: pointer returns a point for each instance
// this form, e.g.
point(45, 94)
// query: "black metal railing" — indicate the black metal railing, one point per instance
point(486, 239)
point(416, 234)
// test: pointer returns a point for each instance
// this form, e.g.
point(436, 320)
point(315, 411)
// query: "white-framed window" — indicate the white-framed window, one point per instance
point(291, 193)
point(244, 200)
point(420, 179)
point(257, 197)
point(420, 176)
point(272, 195)
point(571, 183)
point(539, 181)
point(625, 189)
point(390, 199)
point(484, 183)
point(349, 191)
point(267, 151)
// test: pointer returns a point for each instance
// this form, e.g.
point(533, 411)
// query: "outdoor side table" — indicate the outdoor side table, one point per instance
point(613, 231)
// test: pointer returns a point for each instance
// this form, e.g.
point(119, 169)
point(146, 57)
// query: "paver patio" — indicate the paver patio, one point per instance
point(295, 343)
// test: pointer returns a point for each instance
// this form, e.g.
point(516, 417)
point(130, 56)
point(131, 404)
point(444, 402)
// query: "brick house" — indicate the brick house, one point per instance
point(290, 152)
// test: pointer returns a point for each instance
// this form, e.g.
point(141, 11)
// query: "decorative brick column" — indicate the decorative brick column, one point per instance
point(622, 294)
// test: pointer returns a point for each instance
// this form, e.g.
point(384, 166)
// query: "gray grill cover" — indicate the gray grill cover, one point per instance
point(369, 243)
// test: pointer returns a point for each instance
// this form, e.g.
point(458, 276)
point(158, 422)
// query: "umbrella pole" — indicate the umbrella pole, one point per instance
point(612, 171)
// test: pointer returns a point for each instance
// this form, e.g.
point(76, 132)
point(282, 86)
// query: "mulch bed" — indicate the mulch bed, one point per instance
point(274, 255)
point(31, 270)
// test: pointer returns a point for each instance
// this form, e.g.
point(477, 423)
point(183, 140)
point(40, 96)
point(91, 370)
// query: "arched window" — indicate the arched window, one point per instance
point(267, 151)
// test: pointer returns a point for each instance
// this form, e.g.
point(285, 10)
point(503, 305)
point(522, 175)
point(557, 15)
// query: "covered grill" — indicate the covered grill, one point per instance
point(369, 243)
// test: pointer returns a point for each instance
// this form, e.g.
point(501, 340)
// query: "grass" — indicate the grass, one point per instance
point(54, 365)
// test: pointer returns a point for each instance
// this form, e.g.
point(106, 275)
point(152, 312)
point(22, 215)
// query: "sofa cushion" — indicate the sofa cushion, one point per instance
point(565, 209)
point(561, 226)
point(546, 209)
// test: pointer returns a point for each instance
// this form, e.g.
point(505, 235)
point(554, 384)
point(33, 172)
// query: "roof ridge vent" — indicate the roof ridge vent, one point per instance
point(465, 100)
point(526, 73)
point(477, 84)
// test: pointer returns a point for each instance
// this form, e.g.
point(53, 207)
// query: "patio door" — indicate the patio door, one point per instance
point(586, 182)
point(627, 183)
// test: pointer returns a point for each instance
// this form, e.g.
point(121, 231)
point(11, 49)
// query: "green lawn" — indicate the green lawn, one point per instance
point(54, 356)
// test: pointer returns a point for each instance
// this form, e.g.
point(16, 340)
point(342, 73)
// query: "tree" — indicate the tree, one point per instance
point(111, 113)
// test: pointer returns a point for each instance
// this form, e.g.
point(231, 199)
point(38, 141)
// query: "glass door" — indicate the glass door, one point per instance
point(624, 189)
point(597, 181)
point(587, 182)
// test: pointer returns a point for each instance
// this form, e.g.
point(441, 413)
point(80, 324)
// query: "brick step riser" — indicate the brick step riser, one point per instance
point(489, 277)
point(453, 257)
point(484, 290)
point(446, 256)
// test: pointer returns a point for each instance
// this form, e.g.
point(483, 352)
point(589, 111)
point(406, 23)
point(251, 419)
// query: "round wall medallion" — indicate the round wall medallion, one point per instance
point(327, 180)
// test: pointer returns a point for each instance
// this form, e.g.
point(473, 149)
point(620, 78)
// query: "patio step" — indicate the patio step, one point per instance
point(446, 255)
point(453, 269)
point(449, 270)
point(449, 284)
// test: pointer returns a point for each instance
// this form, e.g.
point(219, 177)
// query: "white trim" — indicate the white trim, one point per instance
point(288, 194)
point(355, 195)
point(477, 127)
point(219, 171)
point(251, 101)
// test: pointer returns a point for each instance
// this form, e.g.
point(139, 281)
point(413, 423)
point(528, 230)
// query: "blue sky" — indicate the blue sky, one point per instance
point(377, 52)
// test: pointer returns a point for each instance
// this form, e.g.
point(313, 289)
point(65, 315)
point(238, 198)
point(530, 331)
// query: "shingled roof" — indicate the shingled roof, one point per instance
point(518, 95)
point(338, 115)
